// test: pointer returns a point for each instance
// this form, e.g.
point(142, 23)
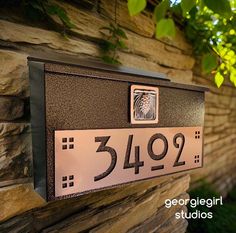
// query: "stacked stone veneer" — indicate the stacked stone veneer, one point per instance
point(133, 208)
point(220, 136)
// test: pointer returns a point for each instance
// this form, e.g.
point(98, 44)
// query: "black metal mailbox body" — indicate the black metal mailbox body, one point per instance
point(89, 97)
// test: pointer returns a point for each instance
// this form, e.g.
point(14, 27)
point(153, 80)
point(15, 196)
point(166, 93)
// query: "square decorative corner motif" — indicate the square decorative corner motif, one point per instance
point(144, 104)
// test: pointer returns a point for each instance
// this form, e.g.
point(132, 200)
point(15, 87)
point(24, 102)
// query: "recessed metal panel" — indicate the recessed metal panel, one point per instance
point(87, 160)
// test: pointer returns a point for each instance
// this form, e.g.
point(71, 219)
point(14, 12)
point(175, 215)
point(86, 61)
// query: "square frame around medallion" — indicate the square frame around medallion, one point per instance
point(144, 104)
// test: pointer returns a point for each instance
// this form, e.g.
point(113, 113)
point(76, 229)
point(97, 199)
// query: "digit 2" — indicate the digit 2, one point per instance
point(177, 145)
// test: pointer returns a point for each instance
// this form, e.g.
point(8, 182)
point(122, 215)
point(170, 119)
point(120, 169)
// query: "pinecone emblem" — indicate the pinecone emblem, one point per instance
point(144, 104)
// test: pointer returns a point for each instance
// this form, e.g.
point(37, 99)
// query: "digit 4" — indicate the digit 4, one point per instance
point(137, 163)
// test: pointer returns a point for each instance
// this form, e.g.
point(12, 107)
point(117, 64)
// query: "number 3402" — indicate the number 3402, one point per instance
point(178, 142)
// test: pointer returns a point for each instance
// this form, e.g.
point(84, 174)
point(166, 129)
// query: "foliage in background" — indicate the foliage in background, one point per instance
point(36, 9)
point(41, 10)
point(224, 217)
point(114, 39)
point(209, 24)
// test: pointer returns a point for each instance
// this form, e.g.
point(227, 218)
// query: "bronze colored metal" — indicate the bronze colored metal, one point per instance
point(79, 158)
point(75, 103)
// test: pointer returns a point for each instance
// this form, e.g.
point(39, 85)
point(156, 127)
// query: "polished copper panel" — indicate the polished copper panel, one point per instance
point(77, 161)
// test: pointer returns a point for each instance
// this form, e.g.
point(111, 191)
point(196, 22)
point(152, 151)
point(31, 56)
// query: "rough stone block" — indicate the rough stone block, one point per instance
point(15, 154)
point(11, 129)
point(135, 23)
point(156, 52)
point(89, 25)
point(18, 198)
point(16, 33)
point(13, 74)
point(11, 108)
point(166, 218)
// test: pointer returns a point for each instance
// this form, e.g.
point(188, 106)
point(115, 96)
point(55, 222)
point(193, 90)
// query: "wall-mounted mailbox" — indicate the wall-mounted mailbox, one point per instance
point(96, 127)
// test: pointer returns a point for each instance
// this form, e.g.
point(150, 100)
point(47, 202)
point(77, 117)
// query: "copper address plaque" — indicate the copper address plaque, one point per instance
point(93, 159)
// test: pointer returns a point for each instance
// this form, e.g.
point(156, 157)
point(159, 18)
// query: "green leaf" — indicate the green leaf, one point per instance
point(68, 23)
point(165, 28)
point(112, 26)
point(122, 44)
point(107, 46)
point(54, 9)
point(36, 5)
point(33, 13)
point(176, 9)
point(107, 28)
point(219, 79)
point(187, 5)
point(209, 62)
point(201, 5)
point(160, 10)
point(233, 75)
point(136, 6)
point(222, 7)
point(121, 33)
point(111, 60)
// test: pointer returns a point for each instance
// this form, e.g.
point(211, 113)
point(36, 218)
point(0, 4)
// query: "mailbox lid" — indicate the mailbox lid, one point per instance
point(67, 64)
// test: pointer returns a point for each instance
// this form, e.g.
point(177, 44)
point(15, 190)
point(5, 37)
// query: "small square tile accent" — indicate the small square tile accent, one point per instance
point(67, 143)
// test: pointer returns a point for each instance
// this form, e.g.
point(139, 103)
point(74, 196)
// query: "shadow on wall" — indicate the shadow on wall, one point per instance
point(223, 216)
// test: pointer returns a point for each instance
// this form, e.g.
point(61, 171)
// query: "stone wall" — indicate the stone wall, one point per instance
point(220, 136)
point(133, 208)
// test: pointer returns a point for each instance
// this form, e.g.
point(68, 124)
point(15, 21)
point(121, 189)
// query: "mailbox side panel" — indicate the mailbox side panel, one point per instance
point(37, 108)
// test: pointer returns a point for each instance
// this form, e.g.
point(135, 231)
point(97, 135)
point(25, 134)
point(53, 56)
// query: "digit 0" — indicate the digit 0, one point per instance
point(160, 156)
